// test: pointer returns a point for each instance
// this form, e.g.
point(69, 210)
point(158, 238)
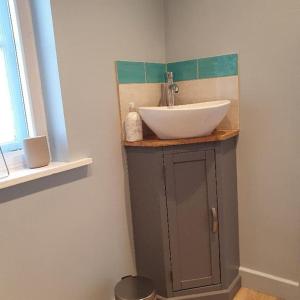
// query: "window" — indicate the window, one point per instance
point(28, 75)
point(13, 121)
point(22, 112)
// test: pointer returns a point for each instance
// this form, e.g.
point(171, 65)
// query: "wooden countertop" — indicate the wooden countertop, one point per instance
point(217, 135)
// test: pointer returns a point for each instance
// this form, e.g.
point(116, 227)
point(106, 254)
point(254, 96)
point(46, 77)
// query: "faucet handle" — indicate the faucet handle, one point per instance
point(170, 75)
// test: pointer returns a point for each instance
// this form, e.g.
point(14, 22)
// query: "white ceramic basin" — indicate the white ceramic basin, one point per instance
point(185, 121)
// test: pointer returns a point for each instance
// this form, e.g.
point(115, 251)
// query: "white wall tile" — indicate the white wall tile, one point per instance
point(220, 88)
point(142, 94)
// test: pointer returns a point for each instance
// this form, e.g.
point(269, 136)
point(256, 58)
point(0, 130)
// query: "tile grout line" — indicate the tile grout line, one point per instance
point(145, 72)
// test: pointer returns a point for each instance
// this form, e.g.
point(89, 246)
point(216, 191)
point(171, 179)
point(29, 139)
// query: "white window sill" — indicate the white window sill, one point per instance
point(24, 175)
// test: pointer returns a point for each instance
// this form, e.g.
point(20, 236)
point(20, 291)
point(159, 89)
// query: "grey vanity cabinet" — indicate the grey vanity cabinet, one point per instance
point(185, 222)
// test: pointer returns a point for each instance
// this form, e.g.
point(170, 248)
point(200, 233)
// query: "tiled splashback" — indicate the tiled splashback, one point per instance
point(210, 89)
point(202, 68)
point(199, 80)
point(209, 67)
point(140, 72)
point(147, 94)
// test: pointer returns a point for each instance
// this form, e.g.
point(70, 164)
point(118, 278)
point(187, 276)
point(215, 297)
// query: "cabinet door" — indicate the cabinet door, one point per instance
point(192, 217)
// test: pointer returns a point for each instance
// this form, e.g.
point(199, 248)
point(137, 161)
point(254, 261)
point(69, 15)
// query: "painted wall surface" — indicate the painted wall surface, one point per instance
point(67, 237)
point(265, 34)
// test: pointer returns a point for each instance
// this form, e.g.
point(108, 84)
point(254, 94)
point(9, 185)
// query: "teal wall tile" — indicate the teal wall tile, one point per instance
point(155, 72)
point(218, 66)
point(209, 67)
point(184, 70)
point(131, 72)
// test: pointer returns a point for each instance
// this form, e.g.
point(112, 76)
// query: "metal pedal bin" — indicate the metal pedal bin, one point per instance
point(135, 288)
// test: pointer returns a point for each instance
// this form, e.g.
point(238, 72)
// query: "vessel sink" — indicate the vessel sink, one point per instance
point(185, 121)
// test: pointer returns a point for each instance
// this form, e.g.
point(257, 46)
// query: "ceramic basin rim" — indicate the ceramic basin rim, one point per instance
point(187, 107)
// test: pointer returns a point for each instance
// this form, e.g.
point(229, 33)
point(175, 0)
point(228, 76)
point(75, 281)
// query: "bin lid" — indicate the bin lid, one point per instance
point(134, 288)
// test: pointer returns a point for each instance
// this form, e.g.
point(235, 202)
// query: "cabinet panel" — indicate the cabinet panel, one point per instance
point(149, 215)
point(192, 210)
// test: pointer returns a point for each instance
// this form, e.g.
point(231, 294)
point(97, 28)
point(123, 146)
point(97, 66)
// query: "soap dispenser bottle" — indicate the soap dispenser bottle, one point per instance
point(133, 125)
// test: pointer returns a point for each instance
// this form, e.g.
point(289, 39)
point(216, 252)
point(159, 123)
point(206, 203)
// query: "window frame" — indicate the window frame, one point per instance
point(33, 99)
point(7, 45)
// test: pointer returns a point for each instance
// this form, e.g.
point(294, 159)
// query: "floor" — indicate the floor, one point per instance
point(247, 294)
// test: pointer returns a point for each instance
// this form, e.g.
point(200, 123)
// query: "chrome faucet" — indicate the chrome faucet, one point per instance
point(172, 89)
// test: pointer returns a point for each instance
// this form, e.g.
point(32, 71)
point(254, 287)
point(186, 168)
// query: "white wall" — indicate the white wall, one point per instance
point(67, 237)
point(266, 34)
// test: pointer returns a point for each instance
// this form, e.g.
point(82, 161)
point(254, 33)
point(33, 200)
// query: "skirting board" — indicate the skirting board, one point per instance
point(277, 286)
point(227, 294)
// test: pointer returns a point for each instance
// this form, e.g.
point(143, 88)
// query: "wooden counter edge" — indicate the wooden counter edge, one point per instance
point(218, 135)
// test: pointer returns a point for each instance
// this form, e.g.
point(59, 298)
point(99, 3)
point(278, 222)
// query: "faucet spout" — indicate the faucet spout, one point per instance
point(172, 89)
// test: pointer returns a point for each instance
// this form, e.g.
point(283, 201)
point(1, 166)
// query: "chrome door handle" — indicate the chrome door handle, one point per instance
point(215, 219)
